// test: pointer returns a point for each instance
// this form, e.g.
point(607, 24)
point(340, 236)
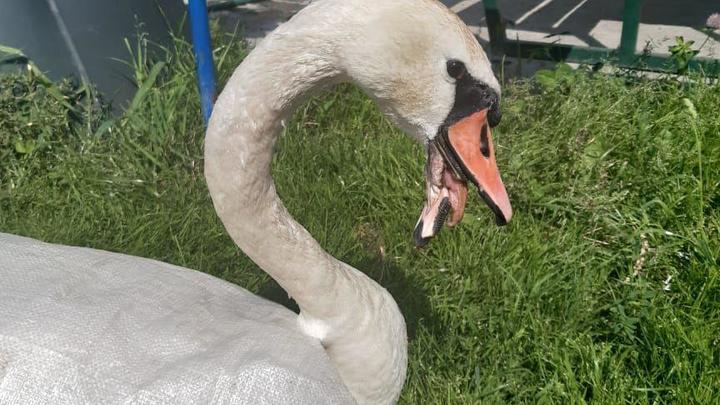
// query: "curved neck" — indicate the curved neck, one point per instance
point(356, 319)
point(242, 132)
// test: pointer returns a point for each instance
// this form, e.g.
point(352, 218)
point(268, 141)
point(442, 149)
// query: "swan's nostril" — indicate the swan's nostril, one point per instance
point(484, 142)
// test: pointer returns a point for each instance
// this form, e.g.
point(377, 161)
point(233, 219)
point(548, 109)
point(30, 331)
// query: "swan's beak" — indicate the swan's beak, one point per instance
point(470, 141)
point(467, 154)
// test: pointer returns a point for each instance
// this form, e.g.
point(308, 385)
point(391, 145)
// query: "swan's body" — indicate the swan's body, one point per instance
point(84, 326)
point(427, 72)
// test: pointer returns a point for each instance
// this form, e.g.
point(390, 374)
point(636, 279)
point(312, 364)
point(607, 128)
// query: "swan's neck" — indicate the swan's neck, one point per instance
point(239, 145)
point(356, 319)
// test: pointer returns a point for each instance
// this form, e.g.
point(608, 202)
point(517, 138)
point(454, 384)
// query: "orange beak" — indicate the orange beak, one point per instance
point(468, 147)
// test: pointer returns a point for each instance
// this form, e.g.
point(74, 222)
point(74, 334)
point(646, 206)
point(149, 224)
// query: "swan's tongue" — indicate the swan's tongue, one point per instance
point(463, 151)
point(445, 203)
point(432, 218)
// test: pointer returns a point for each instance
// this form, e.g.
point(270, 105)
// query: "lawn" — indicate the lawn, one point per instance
point(604, 287)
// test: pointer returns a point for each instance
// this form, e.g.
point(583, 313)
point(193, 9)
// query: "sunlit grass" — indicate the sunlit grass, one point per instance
point(604, 287)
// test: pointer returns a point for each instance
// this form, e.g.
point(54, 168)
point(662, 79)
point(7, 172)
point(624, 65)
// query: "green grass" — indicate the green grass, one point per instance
point(614, 182)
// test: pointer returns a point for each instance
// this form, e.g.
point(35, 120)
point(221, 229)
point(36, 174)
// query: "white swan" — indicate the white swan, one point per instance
point(124, 329)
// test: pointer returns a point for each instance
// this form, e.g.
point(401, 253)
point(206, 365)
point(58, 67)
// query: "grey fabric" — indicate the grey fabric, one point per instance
point(82, 326)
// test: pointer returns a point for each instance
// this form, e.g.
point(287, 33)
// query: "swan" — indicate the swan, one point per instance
point(85, 326)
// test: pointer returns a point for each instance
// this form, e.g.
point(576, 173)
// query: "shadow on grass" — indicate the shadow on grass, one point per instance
point(410, 297)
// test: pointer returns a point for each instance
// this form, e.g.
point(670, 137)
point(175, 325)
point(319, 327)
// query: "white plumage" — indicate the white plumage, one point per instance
point(84, 326)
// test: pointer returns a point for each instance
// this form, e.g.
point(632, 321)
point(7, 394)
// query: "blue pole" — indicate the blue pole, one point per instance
point(203, 54)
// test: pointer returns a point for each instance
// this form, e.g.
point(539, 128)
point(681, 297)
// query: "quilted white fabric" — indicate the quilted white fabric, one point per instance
point(83, 326)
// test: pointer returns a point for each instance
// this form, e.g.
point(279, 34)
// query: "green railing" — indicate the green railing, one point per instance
point(624, 55)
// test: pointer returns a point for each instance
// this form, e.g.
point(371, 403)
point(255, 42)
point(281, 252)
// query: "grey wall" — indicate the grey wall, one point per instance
point(96, 28)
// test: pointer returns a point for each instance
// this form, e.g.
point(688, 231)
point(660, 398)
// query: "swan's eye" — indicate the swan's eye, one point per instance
point(456, 69)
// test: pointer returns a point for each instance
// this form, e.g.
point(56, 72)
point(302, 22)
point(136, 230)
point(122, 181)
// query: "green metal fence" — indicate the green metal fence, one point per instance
point(624, 55)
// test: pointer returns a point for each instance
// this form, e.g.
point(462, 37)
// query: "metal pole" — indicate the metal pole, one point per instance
point(631, 22)
point(496, 27)
point(203, 55)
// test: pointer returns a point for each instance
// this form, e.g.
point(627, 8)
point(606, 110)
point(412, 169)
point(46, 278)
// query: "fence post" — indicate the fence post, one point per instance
point(203, 55)
point(631, 22)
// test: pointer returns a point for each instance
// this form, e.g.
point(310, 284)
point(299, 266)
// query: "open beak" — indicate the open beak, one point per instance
point(467, 154)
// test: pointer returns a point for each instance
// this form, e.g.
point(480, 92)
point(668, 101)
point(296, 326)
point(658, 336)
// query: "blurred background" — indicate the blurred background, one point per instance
point(85, 39)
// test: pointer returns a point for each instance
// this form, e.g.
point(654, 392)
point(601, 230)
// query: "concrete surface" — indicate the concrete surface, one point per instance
point(598, 22)
point(575, 22)
point(255, 20)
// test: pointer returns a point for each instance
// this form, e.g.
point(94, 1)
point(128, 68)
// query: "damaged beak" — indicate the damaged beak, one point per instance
point(464, 152)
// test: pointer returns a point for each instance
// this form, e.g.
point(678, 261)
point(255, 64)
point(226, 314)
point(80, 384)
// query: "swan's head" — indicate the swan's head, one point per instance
point(428, 73)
